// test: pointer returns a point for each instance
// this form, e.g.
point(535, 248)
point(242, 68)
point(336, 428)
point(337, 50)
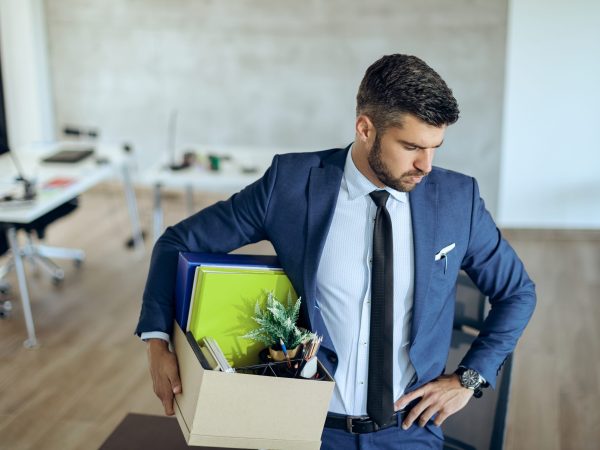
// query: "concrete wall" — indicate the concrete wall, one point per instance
point(551, 156)
point(269, 72)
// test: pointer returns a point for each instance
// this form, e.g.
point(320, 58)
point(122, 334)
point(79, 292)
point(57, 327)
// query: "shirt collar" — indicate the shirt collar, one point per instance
point(359, 185)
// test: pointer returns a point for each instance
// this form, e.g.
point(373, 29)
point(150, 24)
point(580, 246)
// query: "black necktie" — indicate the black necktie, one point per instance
point(380, 395)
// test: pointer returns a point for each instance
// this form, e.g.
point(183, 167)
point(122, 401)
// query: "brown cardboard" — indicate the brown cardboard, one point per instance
point(234, 410)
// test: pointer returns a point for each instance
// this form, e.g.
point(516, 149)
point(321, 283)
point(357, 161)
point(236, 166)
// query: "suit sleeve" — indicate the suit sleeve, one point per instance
point(220, 228)
point(498, 272)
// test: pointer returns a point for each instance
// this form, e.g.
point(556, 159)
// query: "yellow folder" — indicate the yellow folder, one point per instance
point(223, 301)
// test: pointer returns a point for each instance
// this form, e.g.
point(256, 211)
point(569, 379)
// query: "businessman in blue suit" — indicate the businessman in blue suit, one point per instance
point(372, 237)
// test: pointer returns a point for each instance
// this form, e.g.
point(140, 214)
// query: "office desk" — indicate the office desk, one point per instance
point(230, 177)
point(82, 176)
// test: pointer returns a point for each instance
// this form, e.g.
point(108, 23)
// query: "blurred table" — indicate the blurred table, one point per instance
point(237, 168)
point(107, 162)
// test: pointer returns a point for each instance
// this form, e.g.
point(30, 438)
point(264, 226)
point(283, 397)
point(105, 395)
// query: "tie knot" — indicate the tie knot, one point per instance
point(380, 197)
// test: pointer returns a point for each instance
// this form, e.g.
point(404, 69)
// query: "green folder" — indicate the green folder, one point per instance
point(223, 301)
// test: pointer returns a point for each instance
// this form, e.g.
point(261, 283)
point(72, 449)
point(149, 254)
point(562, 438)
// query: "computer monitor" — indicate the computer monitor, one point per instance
point(3, 128)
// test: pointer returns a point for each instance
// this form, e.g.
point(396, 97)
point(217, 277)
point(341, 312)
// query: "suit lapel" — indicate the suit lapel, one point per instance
point(323, 190)
point(423, 208)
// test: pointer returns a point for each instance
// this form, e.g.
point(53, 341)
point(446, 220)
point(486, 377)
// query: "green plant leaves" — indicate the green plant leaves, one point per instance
point(278, 321)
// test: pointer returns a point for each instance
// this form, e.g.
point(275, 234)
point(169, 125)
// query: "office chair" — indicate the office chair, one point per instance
point(481, 425)
point(37, 254)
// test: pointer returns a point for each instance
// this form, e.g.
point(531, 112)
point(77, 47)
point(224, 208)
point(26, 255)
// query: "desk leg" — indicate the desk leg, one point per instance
point(18, 260)
point(189, 197)
point(134, 217)
point(157, 227)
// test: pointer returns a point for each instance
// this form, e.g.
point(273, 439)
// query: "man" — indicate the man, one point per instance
point(373, 238)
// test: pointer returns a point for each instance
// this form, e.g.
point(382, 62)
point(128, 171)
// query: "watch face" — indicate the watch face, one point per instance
point(470, 379)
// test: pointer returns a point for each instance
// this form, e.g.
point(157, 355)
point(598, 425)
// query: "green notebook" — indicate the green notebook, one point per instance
point(223, 301)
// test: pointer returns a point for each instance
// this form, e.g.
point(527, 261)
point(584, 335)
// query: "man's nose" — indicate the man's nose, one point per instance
point(425, 160)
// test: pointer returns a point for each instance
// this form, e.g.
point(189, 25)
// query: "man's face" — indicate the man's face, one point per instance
point(402, 156)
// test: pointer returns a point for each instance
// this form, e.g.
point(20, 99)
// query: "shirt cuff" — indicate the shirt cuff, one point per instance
point(155, 335)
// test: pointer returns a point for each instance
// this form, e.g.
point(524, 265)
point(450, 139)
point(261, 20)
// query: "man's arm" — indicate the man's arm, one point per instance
point(498, 272)
point(220, 228)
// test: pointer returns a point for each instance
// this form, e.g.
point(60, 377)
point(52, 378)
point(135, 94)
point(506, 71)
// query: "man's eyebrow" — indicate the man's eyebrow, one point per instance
point(411, 144)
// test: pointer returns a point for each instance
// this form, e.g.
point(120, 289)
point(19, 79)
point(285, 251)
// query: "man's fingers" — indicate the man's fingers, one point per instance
point(429, 412)
point(441, 417)
point(175, 382)
point(168, 405)
point(166, 394)
point(407, 398)
point(454, 405)
point(162, 389)
point(414, 413)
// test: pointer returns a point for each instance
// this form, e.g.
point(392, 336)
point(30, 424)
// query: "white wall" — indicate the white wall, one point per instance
point(27, 88)
point(270, 73)
point(550, 171)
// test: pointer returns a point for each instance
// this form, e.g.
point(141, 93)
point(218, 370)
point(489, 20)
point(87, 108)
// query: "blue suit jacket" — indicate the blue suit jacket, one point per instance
point(292, 206)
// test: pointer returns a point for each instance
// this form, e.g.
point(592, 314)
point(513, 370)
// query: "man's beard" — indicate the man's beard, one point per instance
point(402, 183)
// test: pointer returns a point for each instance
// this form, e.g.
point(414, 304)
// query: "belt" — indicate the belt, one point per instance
point(362, 424)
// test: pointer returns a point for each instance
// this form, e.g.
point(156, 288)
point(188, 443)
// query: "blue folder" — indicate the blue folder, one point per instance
point(186, 270)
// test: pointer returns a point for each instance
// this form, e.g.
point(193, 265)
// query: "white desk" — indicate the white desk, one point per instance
point(228, 180)
point(82, 176)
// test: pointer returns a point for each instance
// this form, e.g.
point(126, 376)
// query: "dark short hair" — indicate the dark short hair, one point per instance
point(398, 84)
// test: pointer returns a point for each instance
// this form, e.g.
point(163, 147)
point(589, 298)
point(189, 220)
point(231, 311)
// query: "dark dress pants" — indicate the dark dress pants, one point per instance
point(393, 438)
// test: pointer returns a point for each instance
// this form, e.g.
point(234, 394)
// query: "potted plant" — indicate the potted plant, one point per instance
point(278, 323)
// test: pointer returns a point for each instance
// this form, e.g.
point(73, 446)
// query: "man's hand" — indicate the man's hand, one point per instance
point(444, 396)
point(164, 372)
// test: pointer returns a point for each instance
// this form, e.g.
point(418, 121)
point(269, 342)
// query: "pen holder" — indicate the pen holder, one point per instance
point(278, 355)
point(310, 368)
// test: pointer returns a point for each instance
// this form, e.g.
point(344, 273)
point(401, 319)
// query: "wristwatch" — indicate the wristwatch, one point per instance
point(470, 379)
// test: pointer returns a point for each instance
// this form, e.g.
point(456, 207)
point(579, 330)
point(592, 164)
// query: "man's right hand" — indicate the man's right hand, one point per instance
point(164, 372)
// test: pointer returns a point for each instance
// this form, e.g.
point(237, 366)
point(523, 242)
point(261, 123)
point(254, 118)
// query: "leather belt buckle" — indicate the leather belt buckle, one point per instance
point(375, 426)
point(351, 421)
point(349, 424)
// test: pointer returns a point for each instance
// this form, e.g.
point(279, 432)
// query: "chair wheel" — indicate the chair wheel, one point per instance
point(78, 263)
point(6, 308)
point(57, 281)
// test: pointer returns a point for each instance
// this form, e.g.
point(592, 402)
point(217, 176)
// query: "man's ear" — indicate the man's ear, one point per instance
point(365, 130)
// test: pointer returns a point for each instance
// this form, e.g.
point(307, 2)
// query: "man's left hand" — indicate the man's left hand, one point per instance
point(444, 396)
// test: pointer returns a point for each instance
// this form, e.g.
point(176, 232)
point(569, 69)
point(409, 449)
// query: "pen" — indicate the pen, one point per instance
point(301, 361)
point(285, 352)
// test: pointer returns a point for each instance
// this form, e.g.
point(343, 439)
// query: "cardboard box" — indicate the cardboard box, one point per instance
point(234, 410)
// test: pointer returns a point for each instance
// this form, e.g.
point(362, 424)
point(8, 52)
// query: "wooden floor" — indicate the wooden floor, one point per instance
point(90, 371)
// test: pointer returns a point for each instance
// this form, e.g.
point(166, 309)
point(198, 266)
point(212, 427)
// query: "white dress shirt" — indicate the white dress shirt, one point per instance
point(344, 288)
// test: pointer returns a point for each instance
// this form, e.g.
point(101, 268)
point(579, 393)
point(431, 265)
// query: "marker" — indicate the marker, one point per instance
point(285, 352)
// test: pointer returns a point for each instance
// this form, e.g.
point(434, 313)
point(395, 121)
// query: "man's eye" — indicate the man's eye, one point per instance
point(410, 147)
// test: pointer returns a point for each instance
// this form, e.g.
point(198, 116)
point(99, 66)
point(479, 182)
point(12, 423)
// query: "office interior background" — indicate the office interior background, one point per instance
point(282, 76)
